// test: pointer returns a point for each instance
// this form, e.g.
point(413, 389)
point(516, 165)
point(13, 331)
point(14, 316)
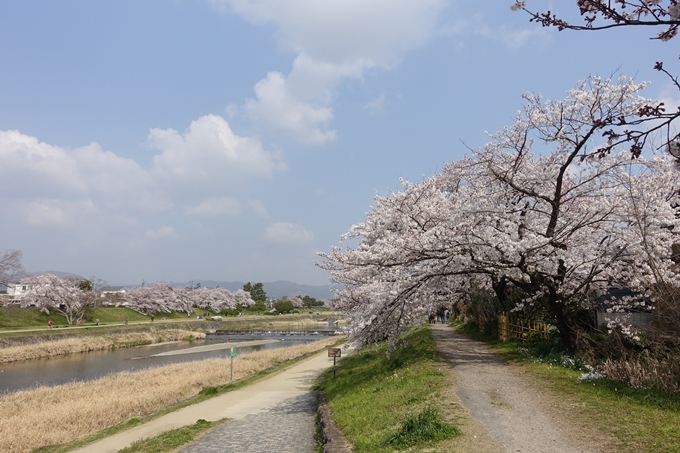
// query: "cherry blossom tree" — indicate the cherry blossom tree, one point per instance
point(61, 295)
point(297, 302)
point(529, 210)
point(159, 297)
point(151, 299)
point(242, 298)
point(605, 14)
point(653, 119)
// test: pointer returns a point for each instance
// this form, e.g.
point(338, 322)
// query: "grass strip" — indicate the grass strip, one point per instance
point(389, 404)
point(172, 439)
point(638, 419)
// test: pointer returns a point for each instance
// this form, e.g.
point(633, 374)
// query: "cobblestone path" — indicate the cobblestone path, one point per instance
point(286, 428)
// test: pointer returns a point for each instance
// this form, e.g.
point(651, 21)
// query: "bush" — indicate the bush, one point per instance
point(230, 312)
point(425, 426)
point(484, 309)
point(258, 306)
point(284, 306)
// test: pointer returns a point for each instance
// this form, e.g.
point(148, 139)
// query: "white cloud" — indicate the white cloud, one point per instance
point(161, 233)
point(45, 213)
point(278, 108)
point(93, 190)
point(339, 31)
point(208, 156)
point(214, 207)
point(288, 233)
point(38, 169)
point(258, 207)
point(376, 106)
point(334, 40)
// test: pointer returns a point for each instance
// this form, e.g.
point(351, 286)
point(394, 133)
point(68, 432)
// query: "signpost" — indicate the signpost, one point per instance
point(232, 355)
point(334, 352)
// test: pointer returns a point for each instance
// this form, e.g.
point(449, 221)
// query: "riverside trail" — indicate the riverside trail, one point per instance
point(513, 414)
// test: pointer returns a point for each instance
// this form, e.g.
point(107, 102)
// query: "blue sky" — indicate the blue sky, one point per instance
point(233, 139)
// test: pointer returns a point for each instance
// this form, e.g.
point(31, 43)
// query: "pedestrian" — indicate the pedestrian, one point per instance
point(447, 315)
point(49, 323)
point(96, 322)
point(152, 316)
point(126, 321)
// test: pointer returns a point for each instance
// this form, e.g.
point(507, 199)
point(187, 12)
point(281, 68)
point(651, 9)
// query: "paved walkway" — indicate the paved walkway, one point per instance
point(272, 415)
point(286, 428)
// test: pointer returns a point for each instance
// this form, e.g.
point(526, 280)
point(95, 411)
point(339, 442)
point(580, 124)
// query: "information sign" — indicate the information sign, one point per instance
point(334, 352)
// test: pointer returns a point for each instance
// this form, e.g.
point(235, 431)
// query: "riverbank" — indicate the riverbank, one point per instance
point(54, 347)
point(398, 403)
point(58, 342)
point(56, 415)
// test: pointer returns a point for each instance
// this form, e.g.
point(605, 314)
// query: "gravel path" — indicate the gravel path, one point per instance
point(508, 409)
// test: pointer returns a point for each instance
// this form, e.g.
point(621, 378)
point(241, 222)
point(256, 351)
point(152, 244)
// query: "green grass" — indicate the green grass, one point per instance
point(15, 318)
point(171, 440)
point(386, 404)
point(19, 318)
point(639, 419)
point(421, 427)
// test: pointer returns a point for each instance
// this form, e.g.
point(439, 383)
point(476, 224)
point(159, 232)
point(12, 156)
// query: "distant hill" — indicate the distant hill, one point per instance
point(275, 290)
point(57, 273)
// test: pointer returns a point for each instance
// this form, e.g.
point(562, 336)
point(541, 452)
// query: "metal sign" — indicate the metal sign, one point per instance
point(334, 352)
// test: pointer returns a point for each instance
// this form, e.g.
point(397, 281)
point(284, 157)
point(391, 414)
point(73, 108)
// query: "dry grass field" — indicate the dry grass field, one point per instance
point(105, 341)
point(55, 415)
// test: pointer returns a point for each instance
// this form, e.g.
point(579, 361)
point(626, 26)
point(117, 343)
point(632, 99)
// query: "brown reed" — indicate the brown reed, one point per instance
point(102, 342)
point(55, 415)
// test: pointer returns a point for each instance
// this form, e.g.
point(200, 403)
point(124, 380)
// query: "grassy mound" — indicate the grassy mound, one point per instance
point(388, 404)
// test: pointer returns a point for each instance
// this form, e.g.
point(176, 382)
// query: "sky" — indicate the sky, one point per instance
point(171, 140)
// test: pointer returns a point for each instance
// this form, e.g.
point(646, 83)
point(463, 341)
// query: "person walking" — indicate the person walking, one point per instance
point(49, 323)
point(126, 320)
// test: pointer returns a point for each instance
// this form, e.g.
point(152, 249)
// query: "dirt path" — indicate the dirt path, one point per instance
point(509, 410)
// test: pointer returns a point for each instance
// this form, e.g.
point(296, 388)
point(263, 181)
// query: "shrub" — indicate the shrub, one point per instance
point(284, 306)
point(425, 426)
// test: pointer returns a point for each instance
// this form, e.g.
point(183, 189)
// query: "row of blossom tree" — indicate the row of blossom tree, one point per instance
point(161, 298)
point(534, 209)
point(71, 297)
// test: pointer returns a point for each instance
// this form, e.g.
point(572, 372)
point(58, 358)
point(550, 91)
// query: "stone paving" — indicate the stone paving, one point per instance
point(286, 428)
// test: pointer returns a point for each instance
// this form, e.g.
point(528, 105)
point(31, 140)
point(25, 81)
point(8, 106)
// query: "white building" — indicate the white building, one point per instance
point(15, 292)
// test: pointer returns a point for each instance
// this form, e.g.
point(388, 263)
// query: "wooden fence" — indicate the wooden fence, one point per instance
point(520, 329)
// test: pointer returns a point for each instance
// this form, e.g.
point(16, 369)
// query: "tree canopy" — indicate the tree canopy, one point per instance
point(653, 119)
point(11, 269)
point(256, 291)
point(530, 210)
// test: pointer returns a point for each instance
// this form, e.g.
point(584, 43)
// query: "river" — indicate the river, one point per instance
point(93, 365)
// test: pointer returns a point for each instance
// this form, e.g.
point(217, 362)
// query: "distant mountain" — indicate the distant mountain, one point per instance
point(57, 273)
point(274, 290)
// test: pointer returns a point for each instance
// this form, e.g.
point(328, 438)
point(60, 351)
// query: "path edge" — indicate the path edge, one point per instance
point(332, 440)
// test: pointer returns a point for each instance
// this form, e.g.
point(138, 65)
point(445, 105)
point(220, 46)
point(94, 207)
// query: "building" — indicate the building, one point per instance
point(14, 292)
